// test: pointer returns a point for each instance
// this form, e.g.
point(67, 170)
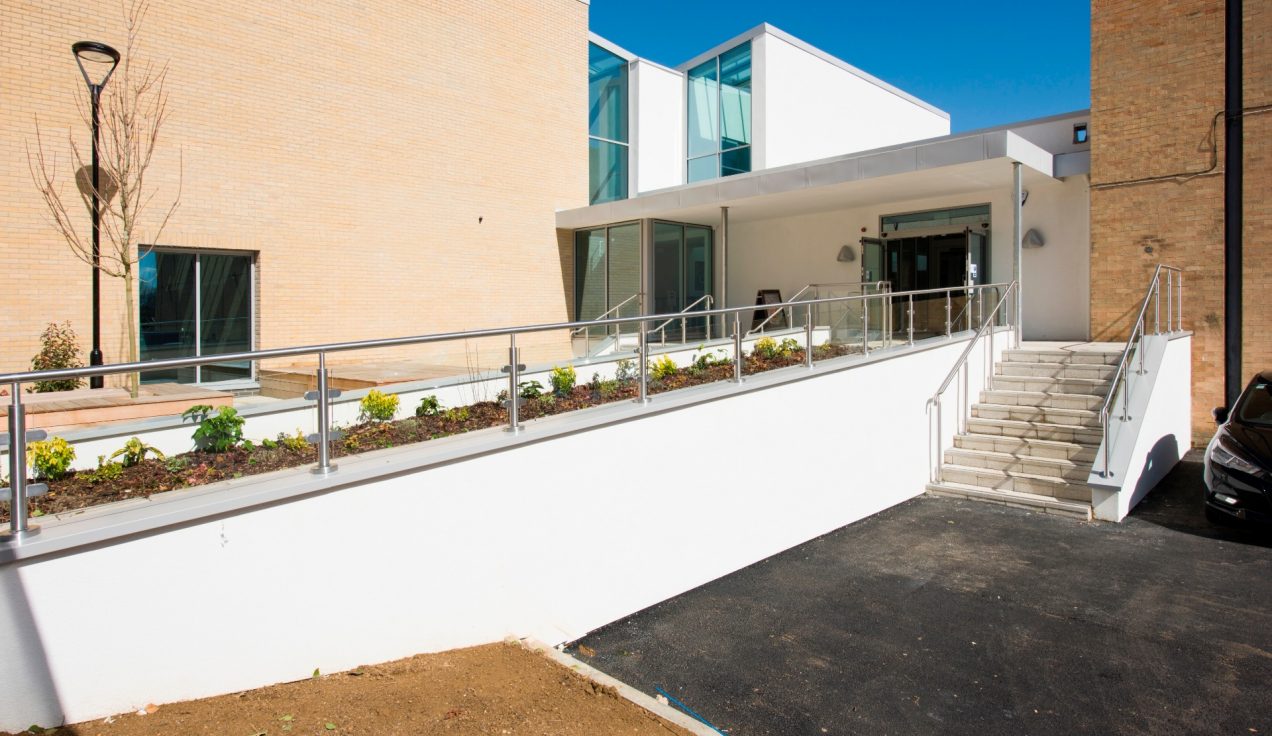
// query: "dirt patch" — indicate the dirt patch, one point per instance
point(92, 488)
point(492, 689)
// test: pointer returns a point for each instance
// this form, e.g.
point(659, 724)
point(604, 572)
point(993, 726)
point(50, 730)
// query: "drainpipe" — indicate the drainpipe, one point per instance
point(724, 259)
point(1232, 204)
point(1016, 239)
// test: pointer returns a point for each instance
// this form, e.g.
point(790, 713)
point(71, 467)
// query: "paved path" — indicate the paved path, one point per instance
point(943, 616)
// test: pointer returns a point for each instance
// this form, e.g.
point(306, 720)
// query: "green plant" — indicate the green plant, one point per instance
point(134, 451)
point(663, 368)
point(703, 361)
point(530, 389)
point(106, 471)
point(765, 347)
point(377, 406)
point(608, 389)
point(293, 442)
point(51, 458)
point(175, 464)
point(217, 432)
point(787, 347)
point(457, 414)
point(268, 444)
point(825, 350)
point(59, 348)
point(625, 370)
point(429, 407)
point(562, 380)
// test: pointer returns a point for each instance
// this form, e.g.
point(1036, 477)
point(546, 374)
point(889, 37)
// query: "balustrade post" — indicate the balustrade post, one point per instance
point(808, 336)
point(737, 347)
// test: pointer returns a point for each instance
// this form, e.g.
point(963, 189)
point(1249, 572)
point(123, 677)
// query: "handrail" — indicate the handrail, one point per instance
point(662, 328)
point(19, 523)
point(1173, 307)
point(775, 310)
point(986, 325)
point(605, 314)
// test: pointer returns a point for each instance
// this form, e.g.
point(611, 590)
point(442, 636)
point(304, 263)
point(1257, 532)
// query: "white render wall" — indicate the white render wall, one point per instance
point(658, 136)
point(788, 252)
point(806, 108)
point(547, 539)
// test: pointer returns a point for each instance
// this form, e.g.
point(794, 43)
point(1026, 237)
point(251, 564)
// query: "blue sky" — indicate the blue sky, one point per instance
point(985, 63)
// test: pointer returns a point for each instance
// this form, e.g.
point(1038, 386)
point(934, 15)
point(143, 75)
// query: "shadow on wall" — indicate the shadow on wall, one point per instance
point(1161, 459)
point(30, 695)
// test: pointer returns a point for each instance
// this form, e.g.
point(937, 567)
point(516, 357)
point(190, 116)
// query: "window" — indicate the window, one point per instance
point(606, 125)
point(607, 271)
point(719, 116)
point(1080, 133)
point(955, 216)
point(195, 303)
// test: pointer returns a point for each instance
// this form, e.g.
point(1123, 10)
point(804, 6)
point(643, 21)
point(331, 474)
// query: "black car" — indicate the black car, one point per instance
point(1239, 458)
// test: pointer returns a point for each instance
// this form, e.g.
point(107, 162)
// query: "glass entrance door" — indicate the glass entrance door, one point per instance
point(682, 266)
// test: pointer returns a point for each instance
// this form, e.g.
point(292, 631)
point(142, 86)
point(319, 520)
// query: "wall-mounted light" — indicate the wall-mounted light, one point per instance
point(1033, 239)
point(846, 254)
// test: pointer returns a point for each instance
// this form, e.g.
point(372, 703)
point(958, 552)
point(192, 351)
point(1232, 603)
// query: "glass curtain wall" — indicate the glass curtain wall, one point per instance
point(682, 273)
point(193, 304)
point(607, 272)
point(606, 125)
point(719, 116)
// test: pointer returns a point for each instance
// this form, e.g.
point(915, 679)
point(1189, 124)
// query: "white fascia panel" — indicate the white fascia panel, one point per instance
point(658, 137)
point(1033, 156)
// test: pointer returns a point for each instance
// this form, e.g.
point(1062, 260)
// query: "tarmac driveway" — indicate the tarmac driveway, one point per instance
point(942, 616)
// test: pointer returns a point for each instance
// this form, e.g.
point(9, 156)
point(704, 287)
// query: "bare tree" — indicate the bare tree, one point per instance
point(133, 111)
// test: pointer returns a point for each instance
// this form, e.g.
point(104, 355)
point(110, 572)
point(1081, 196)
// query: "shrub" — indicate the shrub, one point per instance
point(134, 451)
point(429, 407)
point(609, 389)
point(787, 347)
point(59, 348)
point(293, 442)
point(625, 371)
point(175, 464)
point(530, 389)
point(377, 406)
point(765, 347)
point(50, 458)
point(703, 361)
point(663, 368)
point(562, 380)
point(458, 414)
point(217, 432)
point(106, 471)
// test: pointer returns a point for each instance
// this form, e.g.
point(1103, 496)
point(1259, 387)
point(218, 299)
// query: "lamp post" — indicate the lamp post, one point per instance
point(98, 57)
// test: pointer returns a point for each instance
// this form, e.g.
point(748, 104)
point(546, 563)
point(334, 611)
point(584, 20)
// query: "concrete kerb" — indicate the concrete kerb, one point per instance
point(625, 691)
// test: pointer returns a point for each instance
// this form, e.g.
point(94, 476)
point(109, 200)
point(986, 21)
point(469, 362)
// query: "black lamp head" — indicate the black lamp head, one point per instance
point(99, 57)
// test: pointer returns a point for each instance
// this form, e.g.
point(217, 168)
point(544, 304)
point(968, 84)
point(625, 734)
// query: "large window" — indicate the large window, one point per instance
point(195, 303)
point(606, 125)
point(607, 271)
point(719, 110)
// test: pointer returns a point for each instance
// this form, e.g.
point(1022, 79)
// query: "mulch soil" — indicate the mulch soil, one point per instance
point(84, 488)
point(491, 689)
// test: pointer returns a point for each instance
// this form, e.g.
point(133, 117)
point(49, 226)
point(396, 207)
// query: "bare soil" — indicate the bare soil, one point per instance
point(492, 689)
point(85, 488)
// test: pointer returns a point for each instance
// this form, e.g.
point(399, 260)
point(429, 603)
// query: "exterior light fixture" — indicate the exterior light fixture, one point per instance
point(1033, 239)
point(97, 62)
point(846, 254)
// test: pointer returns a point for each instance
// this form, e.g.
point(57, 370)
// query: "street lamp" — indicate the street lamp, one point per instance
point(101, 60)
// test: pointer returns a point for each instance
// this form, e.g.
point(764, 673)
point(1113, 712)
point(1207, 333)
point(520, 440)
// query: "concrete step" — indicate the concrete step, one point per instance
point(1045, 414)
point(1055, 370)
point(1035, 430)
point(1026, 447)
point(1069, 357)
point(1042, 398)
point(1045, 467)
point(1030, 501)
point(1092, 386)
point(1011, 480)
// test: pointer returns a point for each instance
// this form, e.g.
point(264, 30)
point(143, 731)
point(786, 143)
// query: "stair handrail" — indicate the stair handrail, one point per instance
point(987, 324)
point(774, 312)
point(587, 329)
point(1174, 323)
point(662, 328)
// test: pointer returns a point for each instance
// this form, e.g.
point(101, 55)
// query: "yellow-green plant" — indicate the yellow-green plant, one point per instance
point(663, 367)
point(563, 380)
point(765, 347)
point(134, 451)
point(295, 442)
point(52, 458)
point(378, 406)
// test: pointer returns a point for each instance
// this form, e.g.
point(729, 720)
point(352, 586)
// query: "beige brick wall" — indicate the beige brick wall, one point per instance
point(1157, 76)
point(396, 166)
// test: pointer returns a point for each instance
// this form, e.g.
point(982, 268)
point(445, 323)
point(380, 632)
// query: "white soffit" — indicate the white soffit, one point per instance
point(913, 171)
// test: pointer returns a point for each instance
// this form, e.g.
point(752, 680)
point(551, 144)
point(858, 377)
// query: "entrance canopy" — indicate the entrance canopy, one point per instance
point(930, 168)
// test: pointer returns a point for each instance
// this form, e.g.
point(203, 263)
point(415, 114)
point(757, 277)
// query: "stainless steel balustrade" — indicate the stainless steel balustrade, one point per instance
point(986, 325)
point(19, 526)
point(687, 313)
point(880, 287)
point(586, 331)
point(1174, 323)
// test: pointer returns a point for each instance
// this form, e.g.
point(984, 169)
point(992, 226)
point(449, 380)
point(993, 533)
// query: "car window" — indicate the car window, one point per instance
point(1256, 405)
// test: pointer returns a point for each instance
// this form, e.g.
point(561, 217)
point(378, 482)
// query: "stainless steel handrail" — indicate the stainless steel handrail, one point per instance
point(880, 286)
point(662, 328)
point(19, 525)
point(1174, 323)
point(987, 324)
point(586, 329)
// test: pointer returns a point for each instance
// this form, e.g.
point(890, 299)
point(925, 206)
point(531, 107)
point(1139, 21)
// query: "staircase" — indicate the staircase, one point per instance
point(1031, 440)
